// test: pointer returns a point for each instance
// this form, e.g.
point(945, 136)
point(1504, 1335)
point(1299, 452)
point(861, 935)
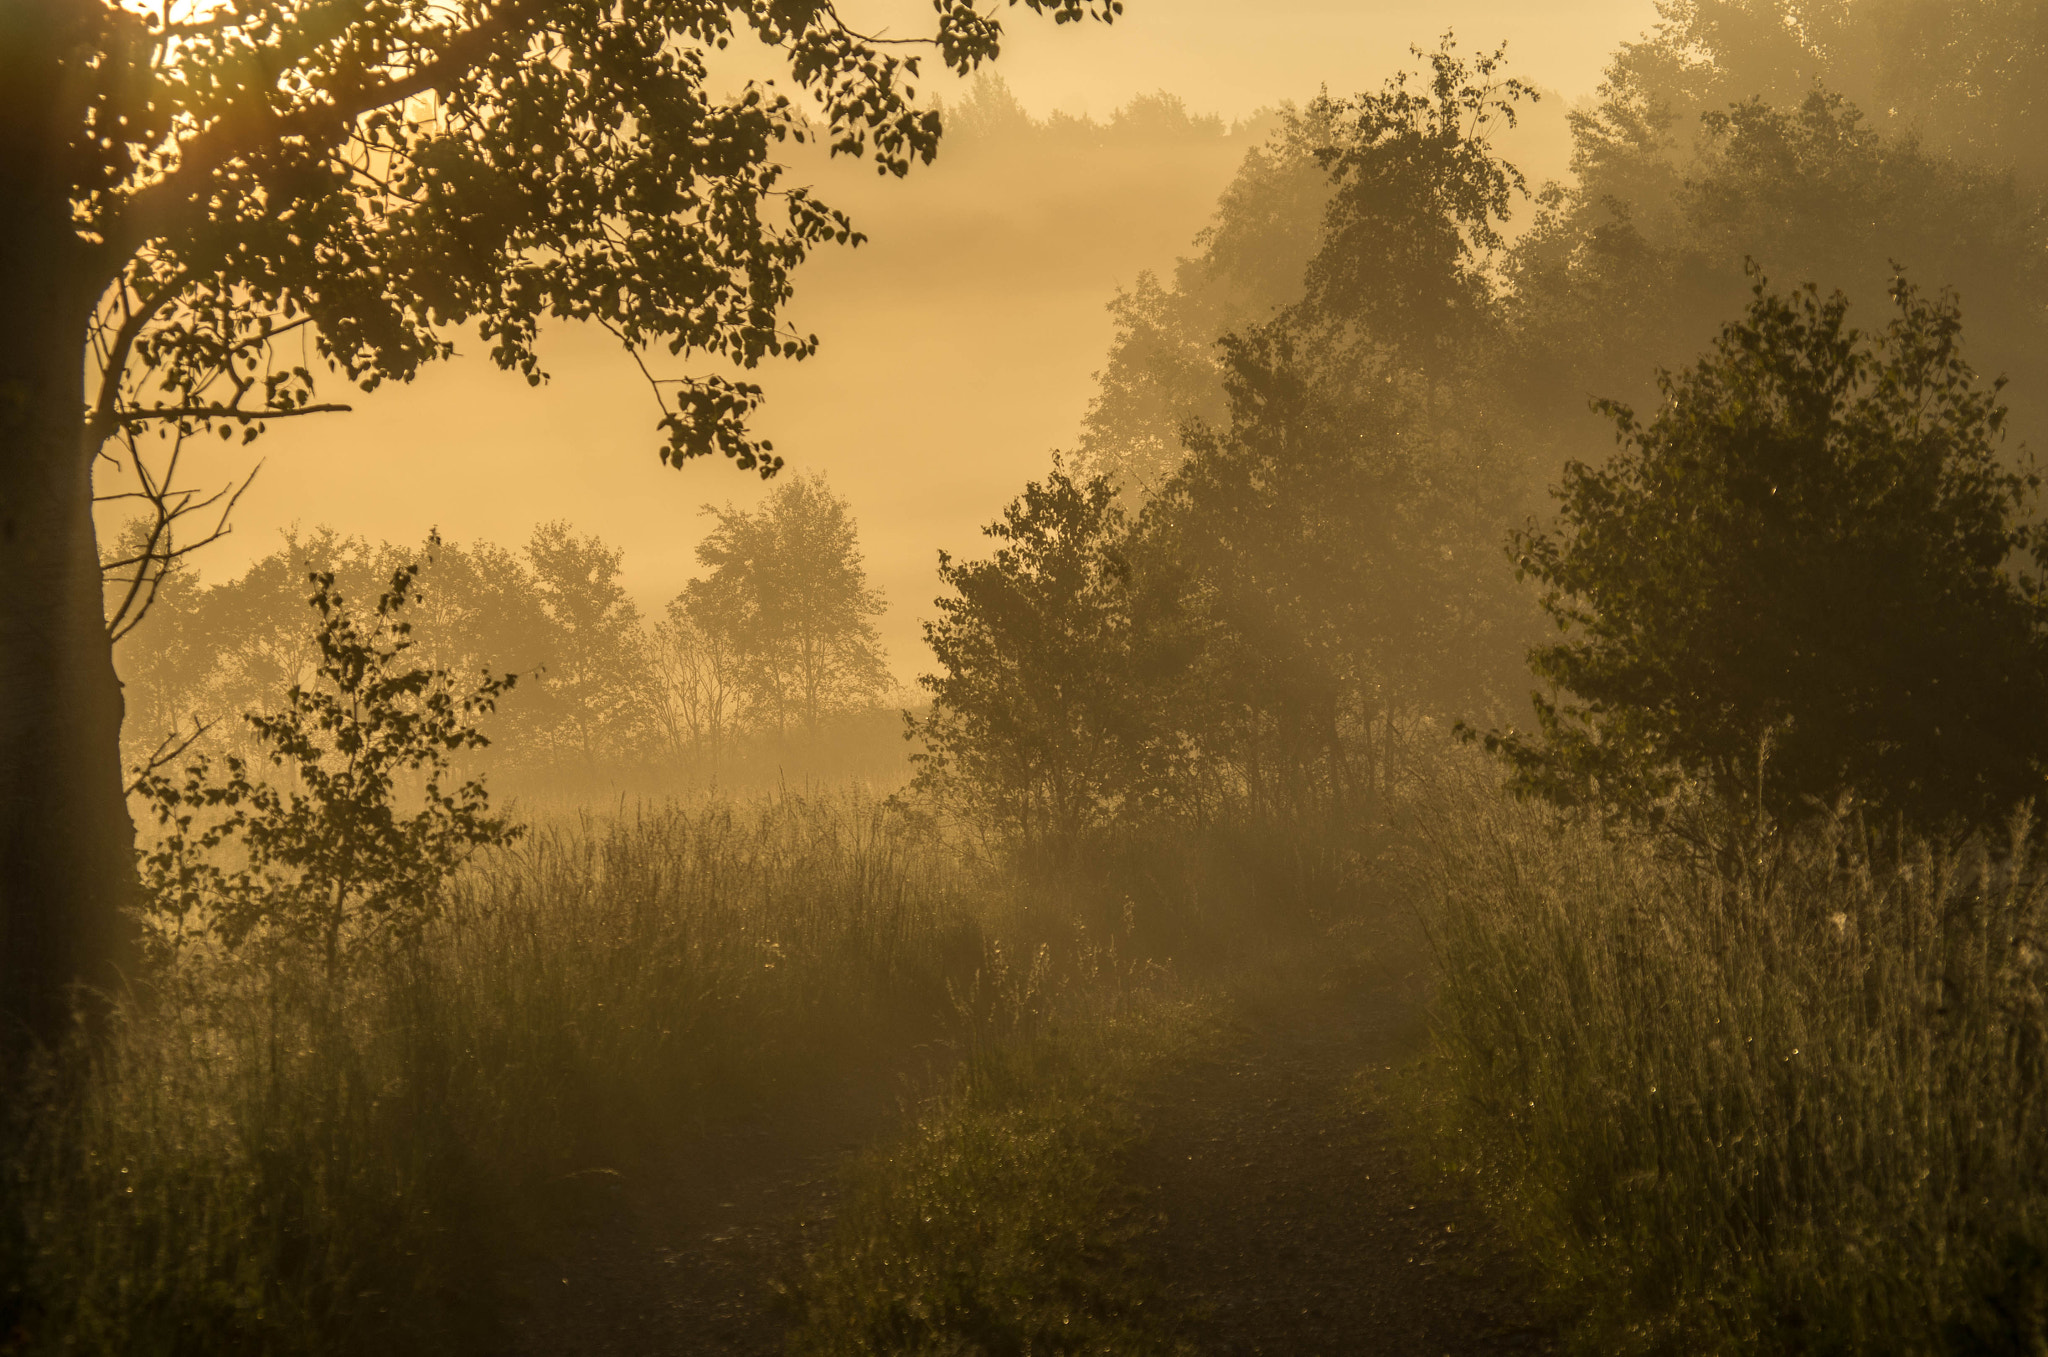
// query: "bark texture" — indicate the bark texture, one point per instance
point(67, 866)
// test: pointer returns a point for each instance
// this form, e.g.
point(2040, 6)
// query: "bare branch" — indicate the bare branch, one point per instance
point(168, 751)
point(159, 550)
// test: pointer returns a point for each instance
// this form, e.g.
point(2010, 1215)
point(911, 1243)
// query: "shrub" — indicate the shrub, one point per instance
point(329, 863)
point(1813, 542)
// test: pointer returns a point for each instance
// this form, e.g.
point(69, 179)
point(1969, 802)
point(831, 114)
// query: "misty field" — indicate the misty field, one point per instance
point(258, 1160)
point(1462, 769)
point(259, 1157)
point(1791, 1117)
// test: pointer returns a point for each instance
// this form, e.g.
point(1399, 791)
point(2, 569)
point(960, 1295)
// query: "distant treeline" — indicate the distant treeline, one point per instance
point(768, 665)
point(990, 113)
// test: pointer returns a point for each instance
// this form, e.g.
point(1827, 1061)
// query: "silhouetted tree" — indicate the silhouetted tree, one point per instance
point(1813, 542)
point(1035, 723)
point(788, 595)
point(187, 192)
point(593, 683)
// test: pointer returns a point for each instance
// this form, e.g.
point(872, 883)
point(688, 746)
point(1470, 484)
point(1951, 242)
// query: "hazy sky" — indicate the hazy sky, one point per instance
point(958, 345)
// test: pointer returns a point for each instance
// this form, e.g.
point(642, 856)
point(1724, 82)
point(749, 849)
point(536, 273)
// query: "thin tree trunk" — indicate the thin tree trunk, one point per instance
point(67, 865)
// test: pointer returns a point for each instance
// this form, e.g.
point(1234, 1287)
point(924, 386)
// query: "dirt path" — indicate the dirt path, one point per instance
point(1291, 1221)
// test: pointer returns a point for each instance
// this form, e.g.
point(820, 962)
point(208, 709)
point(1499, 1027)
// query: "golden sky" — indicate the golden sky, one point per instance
point(958, 344)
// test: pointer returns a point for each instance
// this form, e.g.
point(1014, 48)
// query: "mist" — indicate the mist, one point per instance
point(1178, 679)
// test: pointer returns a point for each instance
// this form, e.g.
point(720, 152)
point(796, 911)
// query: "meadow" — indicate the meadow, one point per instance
point(256, 1160)
point(252, 1157)
point(1798, 1112)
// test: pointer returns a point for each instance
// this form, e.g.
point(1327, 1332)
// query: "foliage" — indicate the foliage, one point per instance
point(1807, 1119)
point(329, 865)
point(1164, 369)
point(1365, 228)
point(787, 600)
point(1953, 76)
point(1417, 195)
point(1333, 550)
point(998, 1226)
point(1751, 129)
point(1036, 728)
point(1814, 542)
point(407, 168)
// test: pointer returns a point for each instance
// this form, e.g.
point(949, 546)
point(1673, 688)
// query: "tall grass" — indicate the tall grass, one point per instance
point(1804, 1117)
point(252, 1161)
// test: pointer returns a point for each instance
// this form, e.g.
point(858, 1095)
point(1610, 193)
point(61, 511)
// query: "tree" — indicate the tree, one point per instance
point(788, 597)
point(698, 696)
point(193, 195)
point(1961, 76)
point(331, 865)
point(1813, 542)
point(593, 682)
point(1164, 369)
point(1336, 543)
point(1757, 129)
point(1323, 561)
point(1034, 730)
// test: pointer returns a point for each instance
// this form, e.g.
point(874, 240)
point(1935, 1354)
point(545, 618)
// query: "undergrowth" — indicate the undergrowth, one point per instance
point(1804, 1114)
point(1002, 1223)
point(258, 1159)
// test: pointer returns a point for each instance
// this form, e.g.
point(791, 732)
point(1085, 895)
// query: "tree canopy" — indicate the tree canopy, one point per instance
point(372, 176)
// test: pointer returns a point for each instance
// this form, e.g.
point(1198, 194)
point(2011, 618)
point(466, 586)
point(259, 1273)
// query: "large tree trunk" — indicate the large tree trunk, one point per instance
point(67, 865)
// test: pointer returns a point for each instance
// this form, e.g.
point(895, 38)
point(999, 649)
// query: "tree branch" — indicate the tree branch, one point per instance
point(104, 417)
point(158, 553)
point(169, 750)
point(154, 208)
point(235, 412)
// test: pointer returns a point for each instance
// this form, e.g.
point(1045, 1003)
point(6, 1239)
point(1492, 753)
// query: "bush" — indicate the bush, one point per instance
point(1814, 543)
point(1002, 1223)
